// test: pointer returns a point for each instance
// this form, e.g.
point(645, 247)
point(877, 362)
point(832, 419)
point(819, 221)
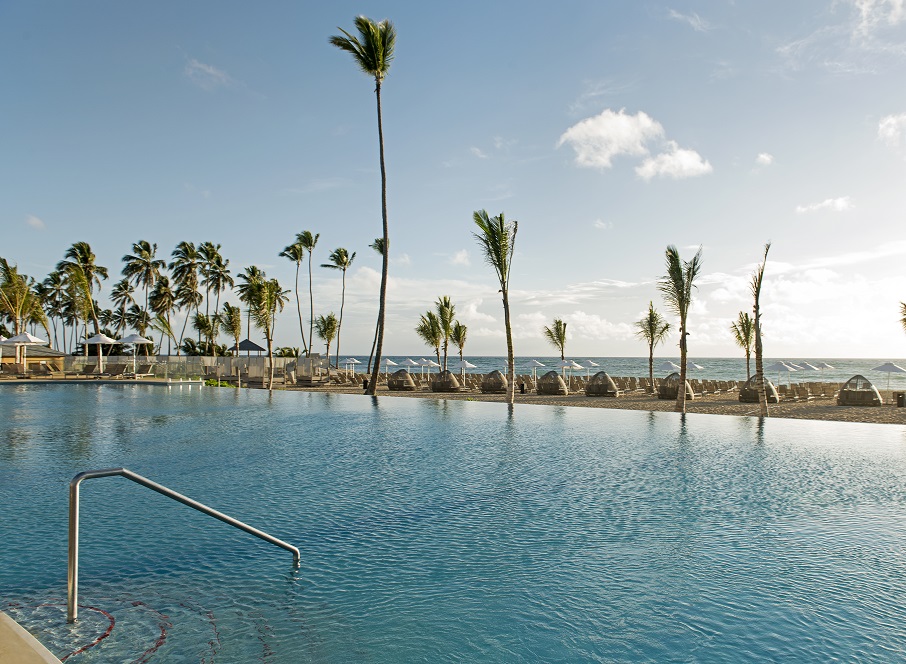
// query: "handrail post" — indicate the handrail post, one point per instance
point(72, 595)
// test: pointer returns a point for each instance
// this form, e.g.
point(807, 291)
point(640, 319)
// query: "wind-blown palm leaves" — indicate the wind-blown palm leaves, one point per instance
point(231, 317)
point(19, 299)
point(121, 295)
point(429, 331)
point(142, 267)
point(296, 253)
point(251, 277)
point(446, 312)
point(80, 266)
point(755, 287)
point(215, 273)
point(497, 239)
point(265, 300)
point(458, 336)
point(163, 302)
point(676, 287)
point(653, 328)
point(556, 336)
point(903, 315)
point(743, 329)
point(326, 329)
point(340, 259)
point(372, 50)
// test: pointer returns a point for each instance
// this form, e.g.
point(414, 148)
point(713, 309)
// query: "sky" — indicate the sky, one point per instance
point(609, 130)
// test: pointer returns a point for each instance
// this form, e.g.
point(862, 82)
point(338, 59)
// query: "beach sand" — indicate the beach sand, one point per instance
point(718, 404)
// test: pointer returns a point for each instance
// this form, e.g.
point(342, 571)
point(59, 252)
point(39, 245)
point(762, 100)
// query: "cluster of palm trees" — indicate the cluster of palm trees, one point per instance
point(438, 328)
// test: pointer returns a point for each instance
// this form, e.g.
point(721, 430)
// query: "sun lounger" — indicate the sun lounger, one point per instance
point(141, 371)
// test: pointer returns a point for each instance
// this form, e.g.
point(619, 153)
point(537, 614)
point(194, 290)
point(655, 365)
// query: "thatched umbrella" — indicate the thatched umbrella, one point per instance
point(601, 385)
point(494, 383)
point(445, 382)
point(401, 381)
point(552, 383)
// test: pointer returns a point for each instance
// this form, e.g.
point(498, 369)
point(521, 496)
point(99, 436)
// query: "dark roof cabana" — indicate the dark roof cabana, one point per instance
point(748, 393)
point(601, 385)
point(669, 388)
point(859, 391)
point(248, 345)
point(445, 382)
point(494, 383)
point(552, 383)
point(400, 381)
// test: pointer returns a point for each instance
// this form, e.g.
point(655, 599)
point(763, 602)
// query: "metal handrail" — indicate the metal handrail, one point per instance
point(73, 575)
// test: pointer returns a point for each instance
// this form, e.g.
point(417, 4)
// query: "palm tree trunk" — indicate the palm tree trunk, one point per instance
point(510, 358)
point(681, 391)
point(328, 361)
point(311, 304)
point(748, 371)
point(340, 323)
point(270, 362)
point(759, 366)
point(373, 344)
point(386, 252)
point(651, 367)
point(299, 309)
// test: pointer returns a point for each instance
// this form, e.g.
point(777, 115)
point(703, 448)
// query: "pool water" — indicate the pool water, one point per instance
point(449, 531)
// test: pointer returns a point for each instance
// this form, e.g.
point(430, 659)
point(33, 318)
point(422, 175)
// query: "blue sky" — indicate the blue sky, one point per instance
point(609, 130)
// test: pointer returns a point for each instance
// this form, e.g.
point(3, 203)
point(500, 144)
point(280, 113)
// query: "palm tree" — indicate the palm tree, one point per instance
point(340, 259)
point(138, 319)
point(676, 287)
point(446, 312)
point(743, 330)
point(231, 318)
point(755, 286)
point(296, 253)
point(458, 337)
point(497, 240)
point(80, 263)
point(162, 325)
point(556, 336)
point(429, 331)
point(121, 295)
point(653, 328)
point(19, 301)
point(308, 242)
point(142, 267)
point(189, 298)
point(252, 276)
point(54, 290)
point(163, 303)
point(208, 327)
point(378, 246)
point(184, 267)
point(372, 51)
point(214, 271)
point(326, 329)
point(266, 298)
point(903, 315)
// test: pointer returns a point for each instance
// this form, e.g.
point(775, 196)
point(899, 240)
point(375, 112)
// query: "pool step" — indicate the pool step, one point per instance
point(19, 647)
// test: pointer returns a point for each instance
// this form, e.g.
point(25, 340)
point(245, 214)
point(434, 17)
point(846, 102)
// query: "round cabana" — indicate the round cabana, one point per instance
point(445, 382)
point(748, 393)
point(858, 391)
point(601, 385)
point(669, 388)
point(494, 383)
point(552, 383)
point(400, 381)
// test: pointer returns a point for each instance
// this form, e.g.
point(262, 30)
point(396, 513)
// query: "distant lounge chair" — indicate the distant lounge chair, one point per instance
point(141, 371)
point(44, 371)
point(115, 370)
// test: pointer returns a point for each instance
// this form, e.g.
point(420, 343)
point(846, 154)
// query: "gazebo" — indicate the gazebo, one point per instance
point(859, 391)
point(552, 383)
point(601, 385)
point(494, 383)
point(669, 388)
point(748, 393)
point(400, 381)
point(445, 382)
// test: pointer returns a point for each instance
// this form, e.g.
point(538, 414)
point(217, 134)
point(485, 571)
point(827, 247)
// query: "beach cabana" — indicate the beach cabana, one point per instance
point(445, 382)
point(748, 393)
point(24, 340)
point(401, 381)
point(248, 346)
point(669, 388)
point(494, 383)
point(552, 383)
point(601, 385)
point(859, 391)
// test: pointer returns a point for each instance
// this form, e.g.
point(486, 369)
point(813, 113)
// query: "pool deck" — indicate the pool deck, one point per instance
point(17, 646)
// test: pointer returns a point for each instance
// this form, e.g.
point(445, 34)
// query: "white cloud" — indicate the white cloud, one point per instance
point(402, 259)
point(603, 225)
point(34, 222)
point(461, 257)
point(874, 14)
point(764, 159)
point(207, 77)
point(676, 162)
point(891, 129)
point(841, 204)
point(598, 139)
point(478, 153)
point(695, 21)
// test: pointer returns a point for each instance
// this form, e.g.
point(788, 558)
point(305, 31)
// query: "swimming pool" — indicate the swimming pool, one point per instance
point(441, 531)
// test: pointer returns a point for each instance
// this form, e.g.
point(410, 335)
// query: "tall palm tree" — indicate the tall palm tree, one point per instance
point(326, 328)
point(308, 242)
point(743, 330)
point(121, 295)
point(372, 51)
point(185, 266)
point(378, 246)
point(54, 290)
point(231, 317)
point(556, 336)
point(188, 298)
point(458, 337)
point(446, 313)
point(19, 301)
point(266, 299)
point(208, 327)
point(142, 267)
point(497, 239)
point(653, 328)
point(429, 331)
point(80, 263)
point(296, 253)
point(214, 271)
point(252, 277)
point(340, 259)
point(163, 303)
point(755, 286)
point(676, 287)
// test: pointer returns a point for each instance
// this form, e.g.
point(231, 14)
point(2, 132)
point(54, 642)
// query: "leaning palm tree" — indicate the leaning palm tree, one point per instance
point(326, 328)
point(189, 298)
point(378, 246)
point(653, 328)
point(372, 51)
point(340, 259)
point(163, 303)
point(309, 240)
point(556, 336)
point(676, 287)
point(429, 330)
point(296, 253)
point(80, 263)
point(142, 267)
point(755, 287)
point(497, 239)
point(266, 299)
point(458, 337)
point(446, 312)
point(231, 318)
point(743, 329)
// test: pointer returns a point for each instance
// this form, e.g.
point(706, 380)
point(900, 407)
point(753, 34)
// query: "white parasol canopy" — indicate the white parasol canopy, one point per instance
point(823, 365)
point(668, 366)
point(534, 364)
point(99, 340)
point(589, 366)
point(805, 366)
point(782, 366)
point(694, 366)
point(25, 340)
point(462, 365)
point(134, 339)
point(889, 368)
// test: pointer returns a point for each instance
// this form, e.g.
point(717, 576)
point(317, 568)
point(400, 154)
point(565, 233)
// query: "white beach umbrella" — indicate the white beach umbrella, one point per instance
point(134, 339)
point(98, 340)
point(823, 365)
point(694, 366)
point(805, 366)
point(534, 364)
point(667, 365)
point(889, 368)
point(782, 366)
point(389, 363)
point(409, 362)
point(462, 365)
point(25, 340)
point(589, 366)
